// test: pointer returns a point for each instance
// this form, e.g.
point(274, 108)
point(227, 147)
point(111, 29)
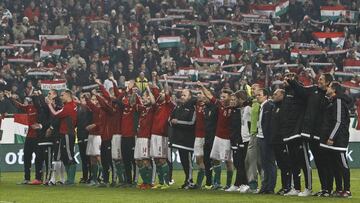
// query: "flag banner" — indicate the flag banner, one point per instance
point(158, 20)
point(176, 16)
point(319, 22)
point(321, 64)
point(250, 33)
point(293, 65)
point(283, 24)
point(263, 9)
point(345, 24)
point(48, 51)
point(228, 22)
point(6, 47)
point(20, 60)
point(346, 74)
point(337, 38)
point(173, 27)
point(100, 22)
point(177, 77)
point(232, 65)
point(180, 10)
point(89, 87)
point(281, 8)
point(193, 91)
point(231, 73)
point(218, 53)
point(169, 41)
point(206, 60)
point(190, 23)
point(270, 62)
point(47, 85)
point(172, 81)
point(21, 124)
point(303, 45)
point(332, 12)
point(222, 44)
point(21, 45)
point(275, 45)
point(351, 85)
point(53, 37)
point(40, 73)
point(256, 21)
point(342, 51)
point(352, 65)
point(30, 41)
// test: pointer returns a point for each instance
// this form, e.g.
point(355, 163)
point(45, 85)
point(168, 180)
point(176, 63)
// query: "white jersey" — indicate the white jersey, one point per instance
point(245, 119)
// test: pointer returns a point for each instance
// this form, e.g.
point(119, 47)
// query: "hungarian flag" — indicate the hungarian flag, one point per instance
point(47, 85)
point(168, 41)
point(48, 51)
point(221, 44)
point(337, 38)
point(332, 12)
point(53, 37)
point(352, 65)
point(20, 60)
point(275, 44)
point(281, 8)
point(21, 127)
point(220, 52)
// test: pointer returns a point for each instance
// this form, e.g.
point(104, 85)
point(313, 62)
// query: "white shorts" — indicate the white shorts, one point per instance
point(159, 146)
point(221, 150)
point(142, 148)
point(116, 147)
point(93, 145)
point(199, 146)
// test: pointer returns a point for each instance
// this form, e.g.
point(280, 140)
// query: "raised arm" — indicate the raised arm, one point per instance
point(105, 105)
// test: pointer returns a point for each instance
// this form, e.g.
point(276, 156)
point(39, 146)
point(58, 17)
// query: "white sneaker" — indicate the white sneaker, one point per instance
point(305, 193)
point(244, 188)
point(232, 189)
point(292, 192)
point(172, 182)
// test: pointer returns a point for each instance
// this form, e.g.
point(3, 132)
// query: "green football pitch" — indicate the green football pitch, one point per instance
point(11, 192)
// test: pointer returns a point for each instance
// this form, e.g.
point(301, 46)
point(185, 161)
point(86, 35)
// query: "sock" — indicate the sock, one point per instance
point(55, 172)
point(165, 170)
point(159, 170)
point(100, 169)
point(217, 175)
point(229, 176)
point(120, 171)
point(62, 172)
point(142, 171)
point(94, 170)
point(200, 177)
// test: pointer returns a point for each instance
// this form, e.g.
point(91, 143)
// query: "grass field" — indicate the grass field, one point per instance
point(10, 192)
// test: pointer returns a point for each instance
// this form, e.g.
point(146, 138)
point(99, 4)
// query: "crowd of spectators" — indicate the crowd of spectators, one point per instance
point(117, 38)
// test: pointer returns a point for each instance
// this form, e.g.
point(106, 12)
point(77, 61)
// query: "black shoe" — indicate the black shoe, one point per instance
point(83, 181)
point(282, 191)
point(269, 192)
point(324, 194)
point(184, 186)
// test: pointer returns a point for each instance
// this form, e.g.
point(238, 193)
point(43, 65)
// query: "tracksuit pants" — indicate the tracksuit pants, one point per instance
point(320, 162)
point(299, 156)
point(85, 161)
point(30, 147)
point(207, 163)
point(268, 165)
point(283, 162)
point(127, 151)
point(66, 152)
point(106, 160)
point(186, 162)
point(239, 156)
point(46, 147)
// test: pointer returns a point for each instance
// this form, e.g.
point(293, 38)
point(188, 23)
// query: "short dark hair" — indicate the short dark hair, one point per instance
point(337, 87)
point(227, 91)
point(328, 77)
point(265, 92)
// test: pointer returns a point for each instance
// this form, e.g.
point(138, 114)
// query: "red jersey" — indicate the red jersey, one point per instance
point(68, 118)
point(128, 118)
point(145, 121)
point(223, 122)
point(107, 121)
point(200, 121)
point(161, 116)
point(97, 115)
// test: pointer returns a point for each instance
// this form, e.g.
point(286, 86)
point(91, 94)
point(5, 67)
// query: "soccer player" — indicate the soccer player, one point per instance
point(67, 116)
point(335, 139)
point(315, 99)
point(159, 138)
point(94, 139)
point(264, 141)
point(142, 144)
point(221, 150)
point(200, 138)
point(182, 120)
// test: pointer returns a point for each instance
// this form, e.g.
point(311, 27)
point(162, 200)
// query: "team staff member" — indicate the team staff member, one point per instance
point(84, 118)
point(221, 150)
point(182, 120)
point(68, 120)
point(315, 99)
point(142, 144)
point(159, 138)
point(335, 139)
point(280, 148)
point(264, 141)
